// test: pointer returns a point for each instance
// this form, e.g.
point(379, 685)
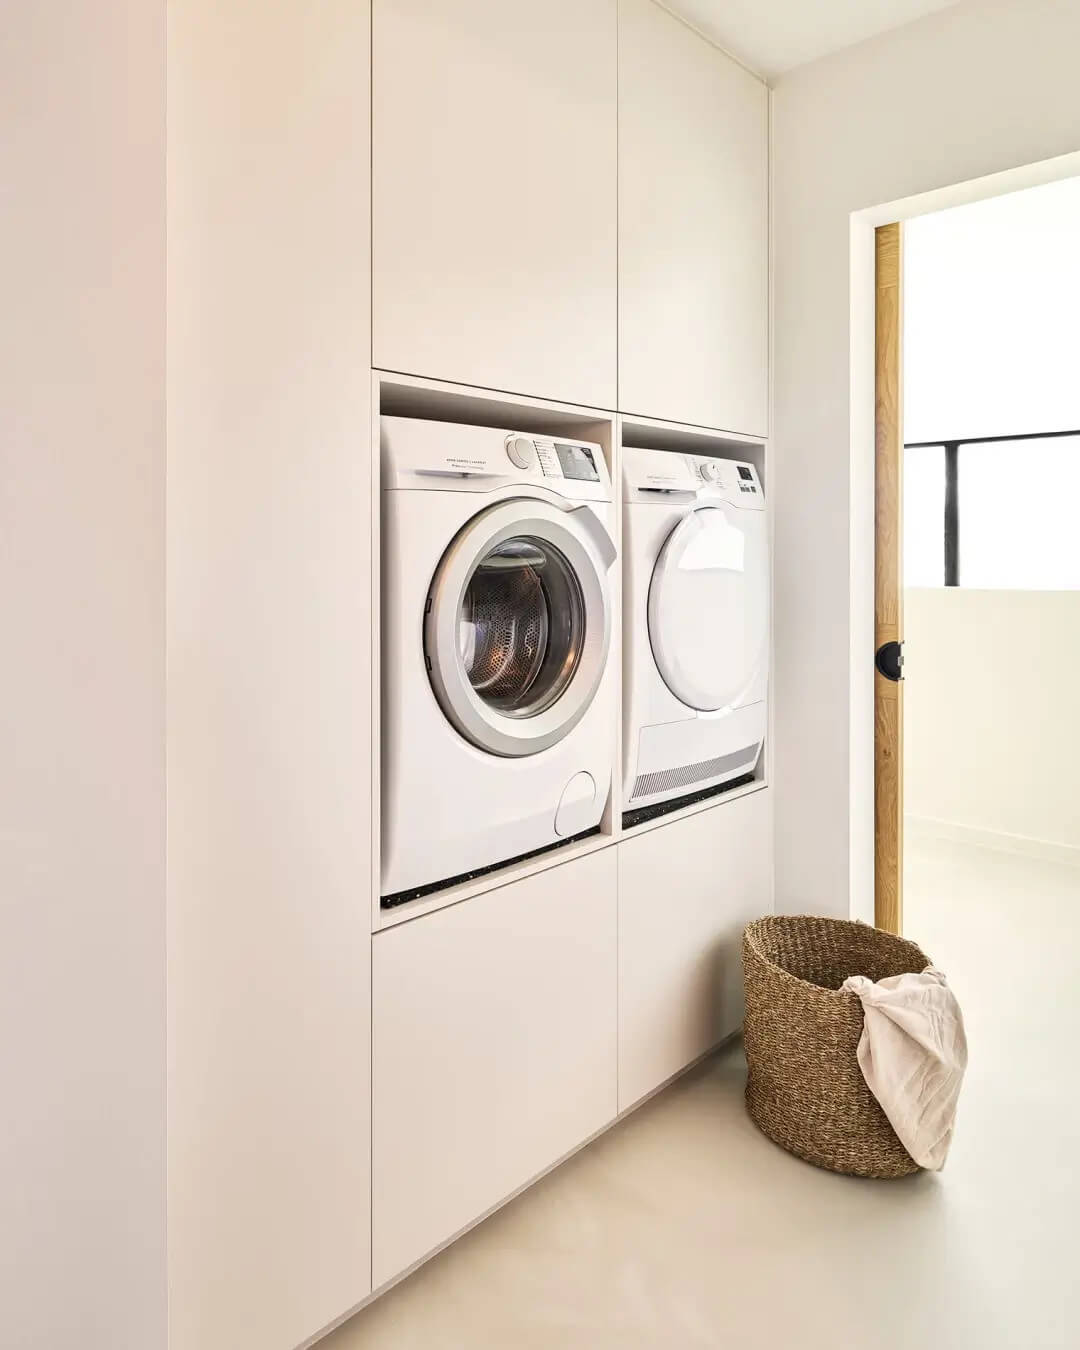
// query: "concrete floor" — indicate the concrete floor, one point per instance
point(684, 1227)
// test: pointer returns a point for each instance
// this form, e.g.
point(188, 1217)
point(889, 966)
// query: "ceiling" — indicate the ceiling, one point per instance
point(771, 36)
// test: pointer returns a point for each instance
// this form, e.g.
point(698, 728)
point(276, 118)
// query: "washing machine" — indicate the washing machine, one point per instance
point(498, 705)
point(695, 625)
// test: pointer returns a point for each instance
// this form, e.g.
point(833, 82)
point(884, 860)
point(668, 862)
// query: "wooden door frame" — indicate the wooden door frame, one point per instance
point(867, 868)
point(888, 576)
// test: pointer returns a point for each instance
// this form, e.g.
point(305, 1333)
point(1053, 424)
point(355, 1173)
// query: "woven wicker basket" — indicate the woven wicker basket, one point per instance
point(805, 1089)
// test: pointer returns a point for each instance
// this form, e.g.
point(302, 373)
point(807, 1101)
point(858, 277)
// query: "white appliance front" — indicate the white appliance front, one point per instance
point(696, 624)
point(497, 700)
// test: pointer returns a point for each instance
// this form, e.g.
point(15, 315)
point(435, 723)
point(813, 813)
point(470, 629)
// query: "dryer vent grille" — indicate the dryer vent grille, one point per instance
point(665, 780)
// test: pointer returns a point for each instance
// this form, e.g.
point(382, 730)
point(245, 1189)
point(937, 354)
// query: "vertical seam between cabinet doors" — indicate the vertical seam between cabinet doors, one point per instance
point(371, 181)
point(618, 251)
point(618, 1010)
point(374, 867)
point(768, 461)
point(768, 271)
point(616, 492)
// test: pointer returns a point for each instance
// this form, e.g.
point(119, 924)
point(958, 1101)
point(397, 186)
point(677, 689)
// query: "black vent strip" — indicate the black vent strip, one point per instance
point(419, 892)
point(657, 809)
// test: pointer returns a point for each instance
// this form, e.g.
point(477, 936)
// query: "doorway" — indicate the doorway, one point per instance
point(977, 473)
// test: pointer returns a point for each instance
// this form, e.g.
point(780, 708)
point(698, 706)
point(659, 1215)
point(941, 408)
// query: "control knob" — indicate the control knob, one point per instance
point(521, 451)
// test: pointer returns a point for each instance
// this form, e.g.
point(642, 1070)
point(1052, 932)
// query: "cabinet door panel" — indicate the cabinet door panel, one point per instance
point(268, 623)
point(494, 1050)
point(693, 227)
point(686, 891)
point(495, 194)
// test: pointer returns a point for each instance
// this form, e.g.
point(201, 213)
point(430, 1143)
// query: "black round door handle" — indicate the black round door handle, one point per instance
point(889, 660)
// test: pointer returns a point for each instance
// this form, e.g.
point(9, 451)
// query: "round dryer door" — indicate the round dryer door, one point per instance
point(709, 606)
point(517, 625)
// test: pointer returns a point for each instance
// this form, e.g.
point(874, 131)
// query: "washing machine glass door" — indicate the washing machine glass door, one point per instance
point(709, 606)
point(517, 624)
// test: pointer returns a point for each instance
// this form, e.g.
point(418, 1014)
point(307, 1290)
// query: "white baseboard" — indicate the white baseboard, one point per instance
point(926, 827)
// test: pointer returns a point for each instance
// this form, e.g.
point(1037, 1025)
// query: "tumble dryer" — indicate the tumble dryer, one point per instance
point(696, 624)
point(498, 713)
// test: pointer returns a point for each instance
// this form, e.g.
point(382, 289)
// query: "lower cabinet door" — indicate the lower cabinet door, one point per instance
point(686, 890)
point(494, 1050)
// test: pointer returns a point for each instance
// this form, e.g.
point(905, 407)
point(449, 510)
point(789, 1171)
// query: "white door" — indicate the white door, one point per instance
point(709, 606)
point(517, 624)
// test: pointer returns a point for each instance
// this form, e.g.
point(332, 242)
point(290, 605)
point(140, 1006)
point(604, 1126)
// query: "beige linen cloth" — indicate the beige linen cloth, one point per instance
point(913, 1053)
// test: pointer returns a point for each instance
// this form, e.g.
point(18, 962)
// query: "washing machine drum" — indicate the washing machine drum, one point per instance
point(709, 606)
point(517, 626)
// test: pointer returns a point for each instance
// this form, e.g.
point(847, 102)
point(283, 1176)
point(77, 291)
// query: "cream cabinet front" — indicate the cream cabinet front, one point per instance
point(494, 1050)
point(494, 179)
point(693, 228)
point(686, 890)
point(268, 614)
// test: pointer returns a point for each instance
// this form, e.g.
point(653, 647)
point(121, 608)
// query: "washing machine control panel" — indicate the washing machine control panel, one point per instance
point(577, 461)
point(434, 456)
point(555, 459)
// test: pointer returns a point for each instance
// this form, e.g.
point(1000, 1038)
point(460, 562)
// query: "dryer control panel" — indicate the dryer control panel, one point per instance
point(653, 475)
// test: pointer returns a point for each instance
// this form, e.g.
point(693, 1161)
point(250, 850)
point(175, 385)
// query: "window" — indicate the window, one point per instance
point(924, 513)
point(1018, 515)
point(1012, 521)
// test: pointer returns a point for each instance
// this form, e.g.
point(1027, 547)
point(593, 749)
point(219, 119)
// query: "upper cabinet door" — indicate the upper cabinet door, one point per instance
point(494, 176)
point(693, 228)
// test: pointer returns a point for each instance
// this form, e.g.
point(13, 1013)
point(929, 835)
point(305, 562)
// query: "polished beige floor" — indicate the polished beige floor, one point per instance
point(683, 1227)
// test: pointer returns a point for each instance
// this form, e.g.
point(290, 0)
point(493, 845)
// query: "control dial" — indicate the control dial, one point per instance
point(521, 451)
point(710, 473)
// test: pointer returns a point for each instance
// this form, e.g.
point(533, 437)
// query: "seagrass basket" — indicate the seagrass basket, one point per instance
point(805, 1089)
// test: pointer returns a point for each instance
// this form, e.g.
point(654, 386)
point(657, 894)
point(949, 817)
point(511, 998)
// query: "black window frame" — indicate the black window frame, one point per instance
point(951, 523)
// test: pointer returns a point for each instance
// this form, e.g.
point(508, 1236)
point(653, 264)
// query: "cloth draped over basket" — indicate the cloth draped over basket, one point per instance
point(913, 1053)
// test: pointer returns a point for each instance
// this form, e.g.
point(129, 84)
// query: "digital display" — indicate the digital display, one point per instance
point(577, 462)
point(744, 472)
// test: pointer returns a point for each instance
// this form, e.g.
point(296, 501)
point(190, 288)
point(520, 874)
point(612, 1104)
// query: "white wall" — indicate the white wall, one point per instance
point(991, 717)
point(973, 90)
point(82, 734)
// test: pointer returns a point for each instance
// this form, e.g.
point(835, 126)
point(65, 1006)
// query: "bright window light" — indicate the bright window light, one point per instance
point(992, 348)
point(1018, 515)
point(924, 516)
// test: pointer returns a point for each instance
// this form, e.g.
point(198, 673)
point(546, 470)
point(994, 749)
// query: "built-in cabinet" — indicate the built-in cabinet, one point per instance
point(494, 1050)
point(494, 164)
point(510, 1027)
point(498, 128)
point(686, 891)
point(693, 228)
point(569, 205)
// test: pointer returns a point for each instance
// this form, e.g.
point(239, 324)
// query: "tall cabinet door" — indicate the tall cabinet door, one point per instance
point(494, 162)
point(686, 892)
point(269, 737)
point(693, 227)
